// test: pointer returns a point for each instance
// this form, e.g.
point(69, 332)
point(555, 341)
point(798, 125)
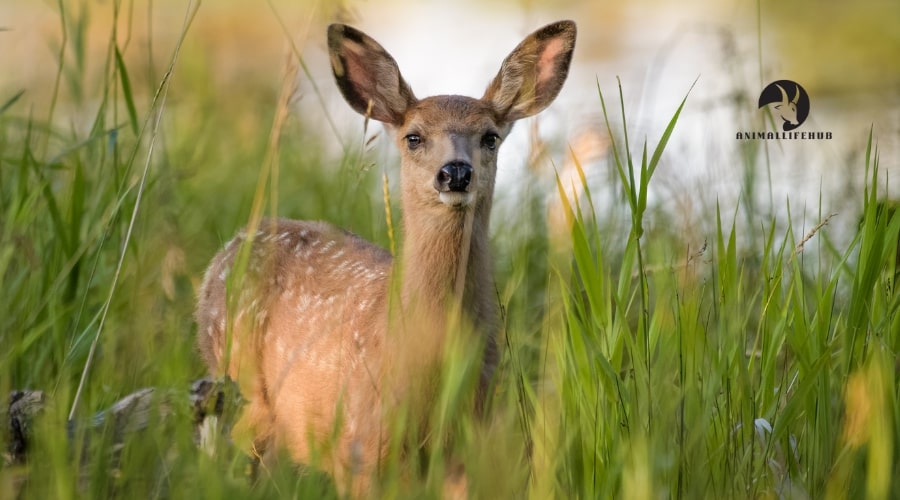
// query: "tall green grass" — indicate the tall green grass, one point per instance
point(726, 373)
point(636, 363)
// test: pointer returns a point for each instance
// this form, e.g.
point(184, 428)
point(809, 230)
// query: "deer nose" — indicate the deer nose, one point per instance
point(454, 176)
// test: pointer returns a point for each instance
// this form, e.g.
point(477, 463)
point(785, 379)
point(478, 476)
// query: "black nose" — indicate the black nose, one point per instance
point(454, 176)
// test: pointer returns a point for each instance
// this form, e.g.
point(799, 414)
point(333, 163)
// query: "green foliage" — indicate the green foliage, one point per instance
point(635, 364)
point(727, 376)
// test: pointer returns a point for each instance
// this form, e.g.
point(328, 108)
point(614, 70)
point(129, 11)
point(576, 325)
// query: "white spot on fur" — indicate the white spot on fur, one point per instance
point(342, 268)
point(327, 247)
point(360, 341)
point(303, 303)
point(261, 317)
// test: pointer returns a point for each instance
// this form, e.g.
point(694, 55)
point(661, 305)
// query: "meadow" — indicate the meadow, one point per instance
point(758, 361)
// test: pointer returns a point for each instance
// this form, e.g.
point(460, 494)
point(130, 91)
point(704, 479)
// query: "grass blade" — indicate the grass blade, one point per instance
point(126, 91)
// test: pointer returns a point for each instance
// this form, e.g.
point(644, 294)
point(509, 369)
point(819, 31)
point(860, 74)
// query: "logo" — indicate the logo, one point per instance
point(788, 102)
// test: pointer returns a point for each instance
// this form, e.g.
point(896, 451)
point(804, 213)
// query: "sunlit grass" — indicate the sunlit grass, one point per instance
point(636, 363)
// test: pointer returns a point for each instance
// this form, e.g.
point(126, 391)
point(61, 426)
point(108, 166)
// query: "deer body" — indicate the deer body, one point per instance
point(326, 332)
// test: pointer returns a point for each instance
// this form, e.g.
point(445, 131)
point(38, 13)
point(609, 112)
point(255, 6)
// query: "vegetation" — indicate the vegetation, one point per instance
point(637, 363)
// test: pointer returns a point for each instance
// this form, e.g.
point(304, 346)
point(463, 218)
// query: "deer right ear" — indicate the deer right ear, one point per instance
point(533, 74)
point(368, 76)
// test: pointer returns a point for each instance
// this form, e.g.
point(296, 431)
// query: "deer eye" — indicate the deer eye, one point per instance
point(490, 141)
point(413, 141)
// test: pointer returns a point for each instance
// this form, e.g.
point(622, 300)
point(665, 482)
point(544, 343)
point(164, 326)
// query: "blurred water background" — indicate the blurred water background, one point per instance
point(846, 55)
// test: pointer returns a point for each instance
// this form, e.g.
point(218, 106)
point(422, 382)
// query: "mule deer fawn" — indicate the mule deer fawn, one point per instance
point(310, 330)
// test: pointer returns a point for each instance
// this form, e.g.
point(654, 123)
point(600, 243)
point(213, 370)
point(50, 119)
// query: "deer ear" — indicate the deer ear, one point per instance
point(533, 74)
point(367, 75)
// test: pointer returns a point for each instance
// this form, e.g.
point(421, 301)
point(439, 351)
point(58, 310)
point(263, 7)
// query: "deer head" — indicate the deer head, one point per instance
point(449, 144)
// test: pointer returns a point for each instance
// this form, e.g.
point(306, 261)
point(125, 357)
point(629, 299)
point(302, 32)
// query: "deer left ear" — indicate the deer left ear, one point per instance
point(368, 76)
point(533, 74)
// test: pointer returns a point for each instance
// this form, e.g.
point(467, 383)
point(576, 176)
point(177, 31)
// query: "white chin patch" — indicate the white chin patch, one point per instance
point(455, 199)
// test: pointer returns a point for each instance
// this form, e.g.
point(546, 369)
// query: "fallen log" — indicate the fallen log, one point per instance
point(24, 406)
point(214, 405)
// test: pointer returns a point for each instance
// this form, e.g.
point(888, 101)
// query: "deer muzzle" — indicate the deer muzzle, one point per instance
point(453, 177)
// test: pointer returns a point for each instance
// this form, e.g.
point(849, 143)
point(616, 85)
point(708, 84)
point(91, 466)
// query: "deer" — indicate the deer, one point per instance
point(326, 330)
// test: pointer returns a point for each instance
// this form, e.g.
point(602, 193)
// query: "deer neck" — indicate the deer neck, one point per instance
point(428, 269)
point(438, 251)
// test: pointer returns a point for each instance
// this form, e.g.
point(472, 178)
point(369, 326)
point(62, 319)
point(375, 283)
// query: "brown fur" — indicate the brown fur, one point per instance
point(315, 337)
